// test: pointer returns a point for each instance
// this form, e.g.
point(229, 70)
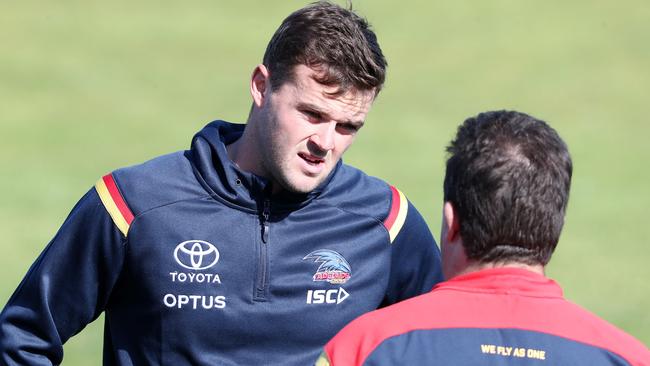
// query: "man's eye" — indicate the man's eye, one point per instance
point(348, 127)
point(312, 115)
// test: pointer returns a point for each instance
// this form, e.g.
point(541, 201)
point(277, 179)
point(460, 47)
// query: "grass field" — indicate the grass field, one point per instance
point(88, 86)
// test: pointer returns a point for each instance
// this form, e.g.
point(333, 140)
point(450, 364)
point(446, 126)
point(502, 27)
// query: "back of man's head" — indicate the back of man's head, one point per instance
point(330, 39)
point(508, 177)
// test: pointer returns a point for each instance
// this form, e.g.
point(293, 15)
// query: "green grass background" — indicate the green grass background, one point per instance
point(89, 86)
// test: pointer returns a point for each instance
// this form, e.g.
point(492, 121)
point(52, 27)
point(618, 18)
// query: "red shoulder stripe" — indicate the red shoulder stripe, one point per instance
point(117, 198)
point(394, 208)
point(397, 215)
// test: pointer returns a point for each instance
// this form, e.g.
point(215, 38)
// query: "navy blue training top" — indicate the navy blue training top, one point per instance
point(194, 263)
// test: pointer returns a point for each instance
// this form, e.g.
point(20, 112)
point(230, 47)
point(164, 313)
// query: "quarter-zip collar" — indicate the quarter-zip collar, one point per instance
point(224, 180)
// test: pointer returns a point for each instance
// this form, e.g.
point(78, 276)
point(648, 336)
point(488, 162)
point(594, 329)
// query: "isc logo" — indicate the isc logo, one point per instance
point(332, 296)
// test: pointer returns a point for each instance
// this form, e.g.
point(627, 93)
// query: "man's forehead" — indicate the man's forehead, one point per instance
point(310, 90)
point(312, 77)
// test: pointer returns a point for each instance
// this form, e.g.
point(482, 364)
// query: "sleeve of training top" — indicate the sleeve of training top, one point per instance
point(415, 258)
point(66, 288)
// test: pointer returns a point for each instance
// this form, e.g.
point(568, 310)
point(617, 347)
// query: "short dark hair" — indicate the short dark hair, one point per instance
point(330, 39)
point(508, 177)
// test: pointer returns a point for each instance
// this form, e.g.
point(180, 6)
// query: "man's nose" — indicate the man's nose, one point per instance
point(324, 136)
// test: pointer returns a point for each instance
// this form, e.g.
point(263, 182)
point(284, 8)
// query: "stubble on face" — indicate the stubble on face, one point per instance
point(273, 159)
point(286, 134)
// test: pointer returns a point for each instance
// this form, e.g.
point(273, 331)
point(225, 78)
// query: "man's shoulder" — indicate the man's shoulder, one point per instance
point(363, 335)
point(159, 181)
point(353, 190)
point(591, 329)
point(399, 318)
point(356, 181)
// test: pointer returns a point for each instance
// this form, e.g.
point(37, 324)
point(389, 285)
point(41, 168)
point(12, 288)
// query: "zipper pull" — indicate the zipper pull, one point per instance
point(265, 220)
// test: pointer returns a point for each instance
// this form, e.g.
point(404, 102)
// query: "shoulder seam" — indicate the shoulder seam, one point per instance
point(173, 202)
point(123, 221)
point(397, 222)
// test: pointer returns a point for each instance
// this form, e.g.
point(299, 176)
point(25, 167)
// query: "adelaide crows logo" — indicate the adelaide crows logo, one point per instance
point(333, 267)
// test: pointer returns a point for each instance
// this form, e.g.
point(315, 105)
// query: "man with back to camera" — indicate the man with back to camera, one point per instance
point(506, 191)
point(253, 247)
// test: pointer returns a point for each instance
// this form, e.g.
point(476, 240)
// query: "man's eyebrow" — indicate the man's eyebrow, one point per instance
point(358, 123)
point(316, 109)
point(312, 108)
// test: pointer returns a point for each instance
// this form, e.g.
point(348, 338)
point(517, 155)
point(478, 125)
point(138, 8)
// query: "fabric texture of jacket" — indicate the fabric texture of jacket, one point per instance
point(502, 316)
point(195, 263)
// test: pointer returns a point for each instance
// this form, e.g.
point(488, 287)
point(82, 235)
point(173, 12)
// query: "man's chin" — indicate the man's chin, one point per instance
point(303, 185)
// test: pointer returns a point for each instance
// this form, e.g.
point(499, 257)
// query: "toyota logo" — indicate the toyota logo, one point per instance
point(196, 254)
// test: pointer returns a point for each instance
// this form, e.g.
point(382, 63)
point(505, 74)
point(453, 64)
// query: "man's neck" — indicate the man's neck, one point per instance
point(241, 154)
point(477, 266)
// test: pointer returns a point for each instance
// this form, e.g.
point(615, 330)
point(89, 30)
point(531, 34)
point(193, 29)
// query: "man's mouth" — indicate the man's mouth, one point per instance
point(313, 160)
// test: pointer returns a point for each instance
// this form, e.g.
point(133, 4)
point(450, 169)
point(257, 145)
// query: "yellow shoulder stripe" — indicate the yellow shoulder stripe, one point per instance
point(114, 203)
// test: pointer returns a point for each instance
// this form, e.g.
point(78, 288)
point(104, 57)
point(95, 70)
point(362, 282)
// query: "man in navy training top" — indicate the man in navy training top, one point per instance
point(506, 191)
point(253, 247)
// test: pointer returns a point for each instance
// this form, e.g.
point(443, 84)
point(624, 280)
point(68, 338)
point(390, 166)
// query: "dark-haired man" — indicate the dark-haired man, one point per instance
point(506, 191)
point(256, 245)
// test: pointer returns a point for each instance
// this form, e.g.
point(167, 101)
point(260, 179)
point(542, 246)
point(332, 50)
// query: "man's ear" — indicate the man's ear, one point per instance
point(451, 222)
point(260, 85)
